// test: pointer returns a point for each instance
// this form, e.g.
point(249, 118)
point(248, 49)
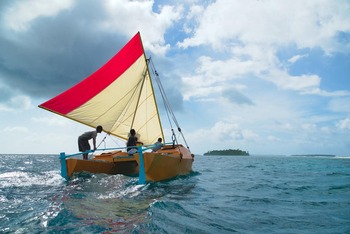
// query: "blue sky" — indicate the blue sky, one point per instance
point(265, 76)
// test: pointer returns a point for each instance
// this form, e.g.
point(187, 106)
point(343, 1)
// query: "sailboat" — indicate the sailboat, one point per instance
point(120, 96)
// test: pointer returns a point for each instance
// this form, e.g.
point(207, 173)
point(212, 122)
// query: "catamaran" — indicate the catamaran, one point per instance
point(120, 96)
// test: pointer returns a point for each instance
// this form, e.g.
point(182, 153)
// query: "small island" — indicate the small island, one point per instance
point(233, 152)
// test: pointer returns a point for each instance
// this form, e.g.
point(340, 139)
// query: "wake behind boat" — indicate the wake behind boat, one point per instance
point(120, 96)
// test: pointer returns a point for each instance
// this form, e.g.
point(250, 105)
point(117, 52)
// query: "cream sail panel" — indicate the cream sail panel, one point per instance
point(114, 107)
point(151, 130)
point(114, 104)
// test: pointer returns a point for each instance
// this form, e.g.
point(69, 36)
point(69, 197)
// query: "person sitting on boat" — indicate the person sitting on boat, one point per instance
point(157, 145)
point(83, 140)
point(131, 143)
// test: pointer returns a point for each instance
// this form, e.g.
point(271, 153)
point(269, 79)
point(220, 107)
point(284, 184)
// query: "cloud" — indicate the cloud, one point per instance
point(216, 77)
point(235, 96)
point(344, 124)
point(251, 35)
point(51, 121)
point(20, 14)
point(285, 81)
point(296, 58)
point(5, 94)
point(16, 103)
point(221, 132)
point(16, 130)
point(128, 17)
point(324, 93)
point(194, 13)
point(310, 24)
point(49, 61)
point(273, 138)
point(340, 105)
point(223, 135)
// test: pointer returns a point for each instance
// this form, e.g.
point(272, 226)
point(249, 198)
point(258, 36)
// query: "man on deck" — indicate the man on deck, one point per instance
point(157, 145)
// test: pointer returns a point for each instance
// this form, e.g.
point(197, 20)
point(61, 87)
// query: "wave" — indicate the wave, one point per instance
point(27, 179)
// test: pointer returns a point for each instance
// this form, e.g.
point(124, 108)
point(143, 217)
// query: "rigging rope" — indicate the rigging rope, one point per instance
point(167, 105)
point(102, 141)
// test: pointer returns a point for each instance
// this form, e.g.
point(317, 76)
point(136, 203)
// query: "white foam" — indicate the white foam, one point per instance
point(343, 157)
point(3, 198)
point(131, 192)
point(25, 179)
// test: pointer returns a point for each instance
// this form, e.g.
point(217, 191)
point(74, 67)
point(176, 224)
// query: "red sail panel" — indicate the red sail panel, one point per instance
point(98, 81)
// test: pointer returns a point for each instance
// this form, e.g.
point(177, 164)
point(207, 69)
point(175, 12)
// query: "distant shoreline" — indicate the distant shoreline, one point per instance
point(314, 155)
point(228, 152)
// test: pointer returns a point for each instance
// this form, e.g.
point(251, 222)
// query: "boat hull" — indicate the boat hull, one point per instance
point(96, 166)
point(164, 164)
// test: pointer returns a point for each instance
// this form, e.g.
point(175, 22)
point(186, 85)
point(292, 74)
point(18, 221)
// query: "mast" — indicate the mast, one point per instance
point(154, 96)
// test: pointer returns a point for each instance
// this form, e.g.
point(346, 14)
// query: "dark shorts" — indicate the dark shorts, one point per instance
point(83, 145)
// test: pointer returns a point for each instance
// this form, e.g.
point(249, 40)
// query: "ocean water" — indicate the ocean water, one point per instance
point(255, 194)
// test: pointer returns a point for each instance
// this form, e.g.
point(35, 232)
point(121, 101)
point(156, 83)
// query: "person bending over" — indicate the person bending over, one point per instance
point(83, 140)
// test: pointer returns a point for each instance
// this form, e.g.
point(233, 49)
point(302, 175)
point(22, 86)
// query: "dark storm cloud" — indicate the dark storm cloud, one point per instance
point(5, 94)
point(54, 53)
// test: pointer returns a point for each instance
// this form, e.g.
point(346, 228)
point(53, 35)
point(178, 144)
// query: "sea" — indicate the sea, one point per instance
point(223, 194)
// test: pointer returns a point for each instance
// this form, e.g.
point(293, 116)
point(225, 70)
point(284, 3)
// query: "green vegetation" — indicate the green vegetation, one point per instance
point(228, 152)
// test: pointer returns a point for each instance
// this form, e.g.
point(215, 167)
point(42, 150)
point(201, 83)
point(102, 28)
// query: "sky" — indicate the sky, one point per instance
point(264, 76)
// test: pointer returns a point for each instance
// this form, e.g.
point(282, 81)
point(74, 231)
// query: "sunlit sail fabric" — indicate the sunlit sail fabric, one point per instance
point(119, 96)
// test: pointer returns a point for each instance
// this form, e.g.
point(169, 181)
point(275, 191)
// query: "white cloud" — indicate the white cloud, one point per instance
point(213, 77)
point(340, 104)
point(308, 127)
point(195, 12)
point(273, 138)
point(252, 34)
point(221, 133)
point(129, 17)
point(16, 130)
point(221, 70)
point(307, 24)
point(344, 124)
point(324, 93)
point(191, 18)
point(52, 120)
point(299, 83)
point(19, 16)
point(296, 58)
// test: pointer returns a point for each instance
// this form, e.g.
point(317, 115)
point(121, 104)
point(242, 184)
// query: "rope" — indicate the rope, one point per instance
point(161, 91)
point(103, 140)
point(167, 105)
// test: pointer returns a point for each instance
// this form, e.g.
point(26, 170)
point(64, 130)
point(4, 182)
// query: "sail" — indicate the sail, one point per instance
point(118, 96)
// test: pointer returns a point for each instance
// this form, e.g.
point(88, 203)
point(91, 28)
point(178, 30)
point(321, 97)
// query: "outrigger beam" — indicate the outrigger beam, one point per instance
point(142, 174)
point(64, 173)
